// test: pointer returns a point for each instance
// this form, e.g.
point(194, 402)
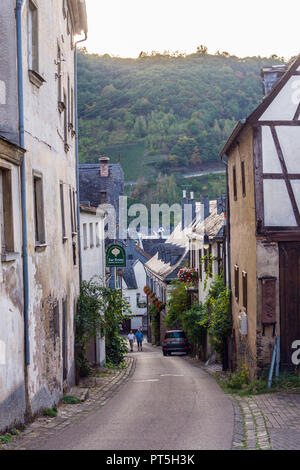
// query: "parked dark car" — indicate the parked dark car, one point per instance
point(175, 341)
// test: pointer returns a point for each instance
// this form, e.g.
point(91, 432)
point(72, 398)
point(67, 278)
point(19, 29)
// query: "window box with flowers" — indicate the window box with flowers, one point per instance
point(189, 276)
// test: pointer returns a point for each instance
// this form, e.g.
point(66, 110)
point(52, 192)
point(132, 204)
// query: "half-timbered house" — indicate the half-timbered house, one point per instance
point(263, 169)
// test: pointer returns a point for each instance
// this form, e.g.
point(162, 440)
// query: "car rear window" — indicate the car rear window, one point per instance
point(175, 334)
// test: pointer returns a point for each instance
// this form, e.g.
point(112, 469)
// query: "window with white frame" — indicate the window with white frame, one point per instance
point(6, 211)
point(33, 49)
point(85, 240)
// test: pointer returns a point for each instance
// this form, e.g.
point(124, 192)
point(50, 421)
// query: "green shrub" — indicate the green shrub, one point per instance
point(70, 400)
point(5, 438)
point(50, 412)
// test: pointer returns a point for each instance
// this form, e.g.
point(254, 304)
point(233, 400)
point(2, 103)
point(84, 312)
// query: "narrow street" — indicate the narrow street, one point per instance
point(166, 404)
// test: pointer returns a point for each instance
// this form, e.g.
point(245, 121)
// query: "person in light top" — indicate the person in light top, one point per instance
point(131, 340)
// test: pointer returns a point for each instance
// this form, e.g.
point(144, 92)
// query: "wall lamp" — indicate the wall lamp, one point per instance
point(206, 242)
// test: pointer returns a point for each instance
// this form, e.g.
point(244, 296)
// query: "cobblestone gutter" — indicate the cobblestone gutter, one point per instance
point(101, 389)
point(263, 422)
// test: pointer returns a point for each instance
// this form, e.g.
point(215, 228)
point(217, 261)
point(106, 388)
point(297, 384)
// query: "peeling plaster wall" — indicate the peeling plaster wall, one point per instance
point(12, 388)
point(8, 73)
point(52, 276)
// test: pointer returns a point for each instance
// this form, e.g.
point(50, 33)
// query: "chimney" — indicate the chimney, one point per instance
point(270, 76)
point(184, 203)
point(193, 202)
point(205, 202)
point(104, 169)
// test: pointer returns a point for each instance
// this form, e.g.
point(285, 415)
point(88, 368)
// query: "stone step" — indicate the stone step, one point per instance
point(81, 393)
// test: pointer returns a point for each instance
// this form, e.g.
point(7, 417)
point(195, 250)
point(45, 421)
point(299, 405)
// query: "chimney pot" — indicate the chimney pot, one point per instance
point(104, 170)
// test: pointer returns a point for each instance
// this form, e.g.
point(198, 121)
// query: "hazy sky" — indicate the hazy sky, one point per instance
point(254, 27)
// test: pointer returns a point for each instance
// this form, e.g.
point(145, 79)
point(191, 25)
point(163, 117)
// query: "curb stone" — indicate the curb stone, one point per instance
point(99, 395)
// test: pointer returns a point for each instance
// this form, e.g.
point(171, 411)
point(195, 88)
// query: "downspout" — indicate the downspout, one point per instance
point(77, 156)
point(19, 4)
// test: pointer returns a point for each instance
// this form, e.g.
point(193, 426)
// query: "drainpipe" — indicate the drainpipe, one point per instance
point(77, 155)
point(19, 4)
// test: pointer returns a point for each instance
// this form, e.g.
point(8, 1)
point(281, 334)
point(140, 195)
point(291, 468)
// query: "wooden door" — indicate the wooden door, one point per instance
point(289, 301)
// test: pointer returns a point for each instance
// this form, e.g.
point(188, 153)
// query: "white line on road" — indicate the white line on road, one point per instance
point(147, 380)
point(171, 375)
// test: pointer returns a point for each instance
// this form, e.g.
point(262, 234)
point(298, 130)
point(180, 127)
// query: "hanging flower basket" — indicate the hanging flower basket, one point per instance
point(188, 275)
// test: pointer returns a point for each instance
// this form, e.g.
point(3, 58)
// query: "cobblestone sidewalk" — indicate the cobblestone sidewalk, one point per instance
point(101, 389)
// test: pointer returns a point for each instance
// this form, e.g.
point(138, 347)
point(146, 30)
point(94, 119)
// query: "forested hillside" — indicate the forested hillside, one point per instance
point(163, 111)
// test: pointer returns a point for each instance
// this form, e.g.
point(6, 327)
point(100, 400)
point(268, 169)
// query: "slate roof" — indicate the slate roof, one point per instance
point(91, 184)
point(133, 254)
point(172, 255)
point(151, 245)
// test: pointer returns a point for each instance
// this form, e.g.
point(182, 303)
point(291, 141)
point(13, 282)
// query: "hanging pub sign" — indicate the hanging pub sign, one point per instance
point(115, 256)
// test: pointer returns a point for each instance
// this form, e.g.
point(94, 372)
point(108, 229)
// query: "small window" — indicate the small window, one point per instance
point(91, 235)
point(39, 210)
point(85, 241)
point(6, 211)
point(236, 282)
point(234, 183)
point(97, 235)
point(243, 178)
point(62, 206)
point(33, 59)
point(74, 210)
point(71, 211)
point(245, 290)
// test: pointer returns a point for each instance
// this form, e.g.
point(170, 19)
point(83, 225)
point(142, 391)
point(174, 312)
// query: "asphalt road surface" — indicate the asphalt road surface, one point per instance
point(167, 404)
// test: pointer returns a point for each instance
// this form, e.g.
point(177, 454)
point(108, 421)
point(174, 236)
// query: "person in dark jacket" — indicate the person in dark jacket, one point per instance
point(139, 338)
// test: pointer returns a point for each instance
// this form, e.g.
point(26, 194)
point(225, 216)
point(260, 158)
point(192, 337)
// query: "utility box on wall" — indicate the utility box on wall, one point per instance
point(268, 285)
point(268, 296)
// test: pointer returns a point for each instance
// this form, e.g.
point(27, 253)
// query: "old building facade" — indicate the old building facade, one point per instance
point(92, 221)
point(264, 177)
point(38, 113)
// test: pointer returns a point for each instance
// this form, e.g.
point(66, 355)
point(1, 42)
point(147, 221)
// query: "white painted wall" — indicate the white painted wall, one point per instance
point(131, 295)
point(93, 259)
point(12, 388)
point(52, 275)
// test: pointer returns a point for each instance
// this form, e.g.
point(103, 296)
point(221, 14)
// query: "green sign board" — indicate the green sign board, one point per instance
point(115, 256)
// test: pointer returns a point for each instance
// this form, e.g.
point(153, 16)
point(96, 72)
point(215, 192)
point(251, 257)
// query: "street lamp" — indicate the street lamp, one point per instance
point(206, 242)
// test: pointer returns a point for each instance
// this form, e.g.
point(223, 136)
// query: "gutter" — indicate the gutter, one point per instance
point(77, 155)
point(19, 5)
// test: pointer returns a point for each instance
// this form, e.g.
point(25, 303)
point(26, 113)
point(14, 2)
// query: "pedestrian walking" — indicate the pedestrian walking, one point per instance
point(139, 338)
point(131, 340)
